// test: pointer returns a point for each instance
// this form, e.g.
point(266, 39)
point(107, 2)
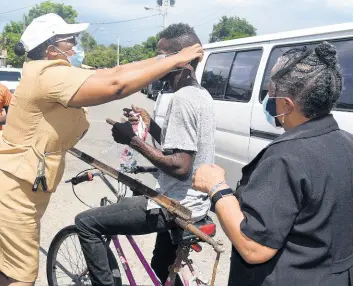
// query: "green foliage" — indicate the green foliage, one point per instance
point(65, 11)
point(101, 56)
point(106, 56)
point(13, 27)
point(230, 28)
point(87, 41)
point(11, 39)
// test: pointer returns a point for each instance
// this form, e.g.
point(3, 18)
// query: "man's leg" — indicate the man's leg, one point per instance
point(164, 256)
point(128, 217)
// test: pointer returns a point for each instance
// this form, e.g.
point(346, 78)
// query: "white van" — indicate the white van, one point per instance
point(236, 74)
point(10, 77)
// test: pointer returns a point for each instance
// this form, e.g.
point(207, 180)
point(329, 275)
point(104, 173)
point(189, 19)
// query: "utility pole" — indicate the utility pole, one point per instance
point(118, 53)
point(164, 7)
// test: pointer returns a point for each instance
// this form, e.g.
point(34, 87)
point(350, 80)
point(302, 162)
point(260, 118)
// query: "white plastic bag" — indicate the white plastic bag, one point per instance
point(128, 159)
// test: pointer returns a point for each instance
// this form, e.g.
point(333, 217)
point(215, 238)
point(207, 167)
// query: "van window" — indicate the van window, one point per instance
point(345, 55)
point(10, 76)
point(243, 74)
point(216, 73)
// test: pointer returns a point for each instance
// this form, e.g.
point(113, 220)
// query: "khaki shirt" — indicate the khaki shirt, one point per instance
point(40, 122)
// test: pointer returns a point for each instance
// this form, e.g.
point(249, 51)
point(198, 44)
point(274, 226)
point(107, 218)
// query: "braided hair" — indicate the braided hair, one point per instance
point(311, 77)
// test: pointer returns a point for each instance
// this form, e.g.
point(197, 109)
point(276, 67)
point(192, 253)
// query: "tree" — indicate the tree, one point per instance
point(87, 41)
point(65, 11)
point(102, 56)
point(230, 28)
point(150, 44)
point(11, 35)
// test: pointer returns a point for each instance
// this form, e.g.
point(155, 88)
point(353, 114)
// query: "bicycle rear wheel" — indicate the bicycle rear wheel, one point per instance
point(66, 264)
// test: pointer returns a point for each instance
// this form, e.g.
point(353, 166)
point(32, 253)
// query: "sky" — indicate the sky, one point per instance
point(268, 16)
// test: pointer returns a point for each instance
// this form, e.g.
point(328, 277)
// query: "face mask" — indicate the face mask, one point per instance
point(270, 111)
point(77, 58)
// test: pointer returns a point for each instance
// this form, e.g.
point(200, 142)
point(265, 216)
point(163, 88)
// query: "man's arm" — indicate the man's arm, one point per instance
point(177, 165)
point(155, 131)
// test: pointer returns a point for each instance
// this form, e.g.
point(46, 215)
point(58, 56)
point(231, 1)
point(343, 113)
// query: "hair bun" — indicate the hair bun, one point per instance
point(327, 54)
point(19, 49)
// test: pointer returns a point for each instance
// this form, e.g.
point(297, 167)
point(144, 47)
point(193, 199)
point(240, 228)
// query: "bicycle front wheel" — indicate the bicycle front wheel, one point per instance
point(66, 264)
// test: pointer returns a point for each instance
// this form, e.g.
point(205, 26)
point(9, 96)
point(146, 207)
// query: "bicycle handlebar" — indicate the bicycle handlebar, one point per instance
point(85, 177)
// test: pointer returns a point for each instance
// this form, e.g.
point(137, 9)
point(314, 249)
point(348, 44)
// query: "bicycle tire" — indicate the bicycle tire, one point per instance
point(53, 252)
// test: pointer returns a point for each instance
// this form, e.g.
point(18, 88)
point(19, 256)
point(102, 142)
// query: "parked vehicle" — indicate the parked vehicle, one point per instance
point(10, 77)
point(152, 90)
point(236, 74)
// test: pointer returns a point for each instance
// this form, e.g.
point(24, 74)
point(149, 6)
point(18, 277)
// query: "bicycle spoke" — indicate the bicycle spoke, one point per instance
point(72, 262)
point(69, 260)
point(78, 274)
point(77, 266)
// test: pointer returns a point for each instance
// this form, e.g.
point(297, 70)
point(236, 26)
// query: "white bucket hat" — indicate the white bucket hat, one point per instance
point(45, 27)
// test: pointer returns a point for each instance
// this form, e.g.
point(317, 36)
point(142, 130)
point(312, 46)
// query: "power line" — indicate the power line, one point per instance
point(124, 21)
point(219, 16)
point(214, 13)
point(18, 9)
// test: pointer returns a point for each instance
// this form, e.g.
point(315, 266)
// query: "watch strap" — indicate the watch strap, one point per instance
point(219, 195)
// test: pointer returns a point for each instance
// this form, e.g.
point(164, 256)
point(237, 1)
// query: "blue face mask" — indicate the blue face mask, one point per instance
point(77, 58)
point(270, 111)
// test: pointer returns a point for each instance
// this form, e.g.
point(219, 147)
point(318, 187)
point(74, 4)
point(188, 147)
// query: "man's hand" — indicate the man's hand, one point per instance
point(207, 176)
point(134, 119)
point(123, 133)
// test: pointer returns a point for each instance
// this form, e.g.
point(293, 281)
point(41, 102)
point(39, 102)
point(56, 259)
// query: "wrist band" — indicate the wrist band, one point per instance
point(211, 192)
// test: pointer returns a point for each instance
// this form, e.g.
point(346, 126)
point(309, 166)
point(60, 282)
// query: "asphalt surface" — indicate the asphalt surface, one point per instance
point(64, 206)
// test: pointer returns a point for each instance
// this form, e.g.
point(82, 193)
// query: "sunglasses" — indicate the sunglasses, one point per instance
point(71, 39)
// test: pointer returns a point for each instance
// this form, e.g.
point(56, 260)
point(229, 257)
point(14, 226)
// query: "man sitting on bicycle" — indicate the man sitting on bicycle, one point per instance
point(187, 140)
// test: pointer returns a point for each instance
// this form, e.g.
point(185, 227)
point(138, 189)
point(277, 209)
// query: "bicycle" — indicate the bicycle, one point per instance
point(186, 241)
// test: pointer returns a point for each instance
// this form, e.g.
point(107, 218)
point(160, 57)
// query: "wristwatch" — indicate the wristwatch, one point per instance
point(219, 195)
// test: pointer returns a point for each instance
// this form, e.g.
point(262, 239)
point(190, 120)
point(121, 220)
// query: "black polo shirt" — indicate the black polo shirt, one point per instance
point(297, 197)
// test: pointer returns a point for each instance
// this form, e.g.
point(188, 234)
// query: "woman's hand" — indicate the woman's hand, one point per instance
point(186, 55)
point(134, 119)
point(207, 176)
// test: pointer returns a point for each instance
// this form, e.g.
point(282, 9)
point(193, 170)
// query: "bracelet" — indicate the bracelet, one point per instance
point(211, 192)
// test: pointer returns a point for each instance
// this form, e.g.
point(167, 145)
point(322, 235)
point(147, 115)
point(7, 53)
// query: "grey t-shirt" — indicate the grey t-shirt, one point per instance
point(190, 126)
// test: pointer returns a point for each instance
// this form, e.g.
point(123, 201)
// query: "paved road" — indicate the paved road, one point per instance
point(64, 205)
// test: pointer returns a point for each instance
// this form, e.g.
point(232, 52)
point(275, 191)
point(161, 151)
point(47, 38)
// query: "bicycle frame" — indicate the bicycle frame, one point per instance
point(184, 275)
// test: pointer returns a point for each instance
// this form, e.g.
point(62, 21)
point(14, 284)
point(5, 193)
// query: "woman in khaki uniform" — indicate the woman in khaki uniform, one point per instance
point(46, 118)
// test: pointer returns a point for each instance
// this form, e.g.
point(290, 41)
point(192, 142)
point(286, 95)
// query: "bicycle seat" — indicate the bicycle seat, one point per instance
point(182, 236)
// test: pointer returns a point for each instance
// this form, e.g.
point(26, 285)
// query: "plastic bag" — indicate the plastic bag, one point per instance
point(128, 158)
